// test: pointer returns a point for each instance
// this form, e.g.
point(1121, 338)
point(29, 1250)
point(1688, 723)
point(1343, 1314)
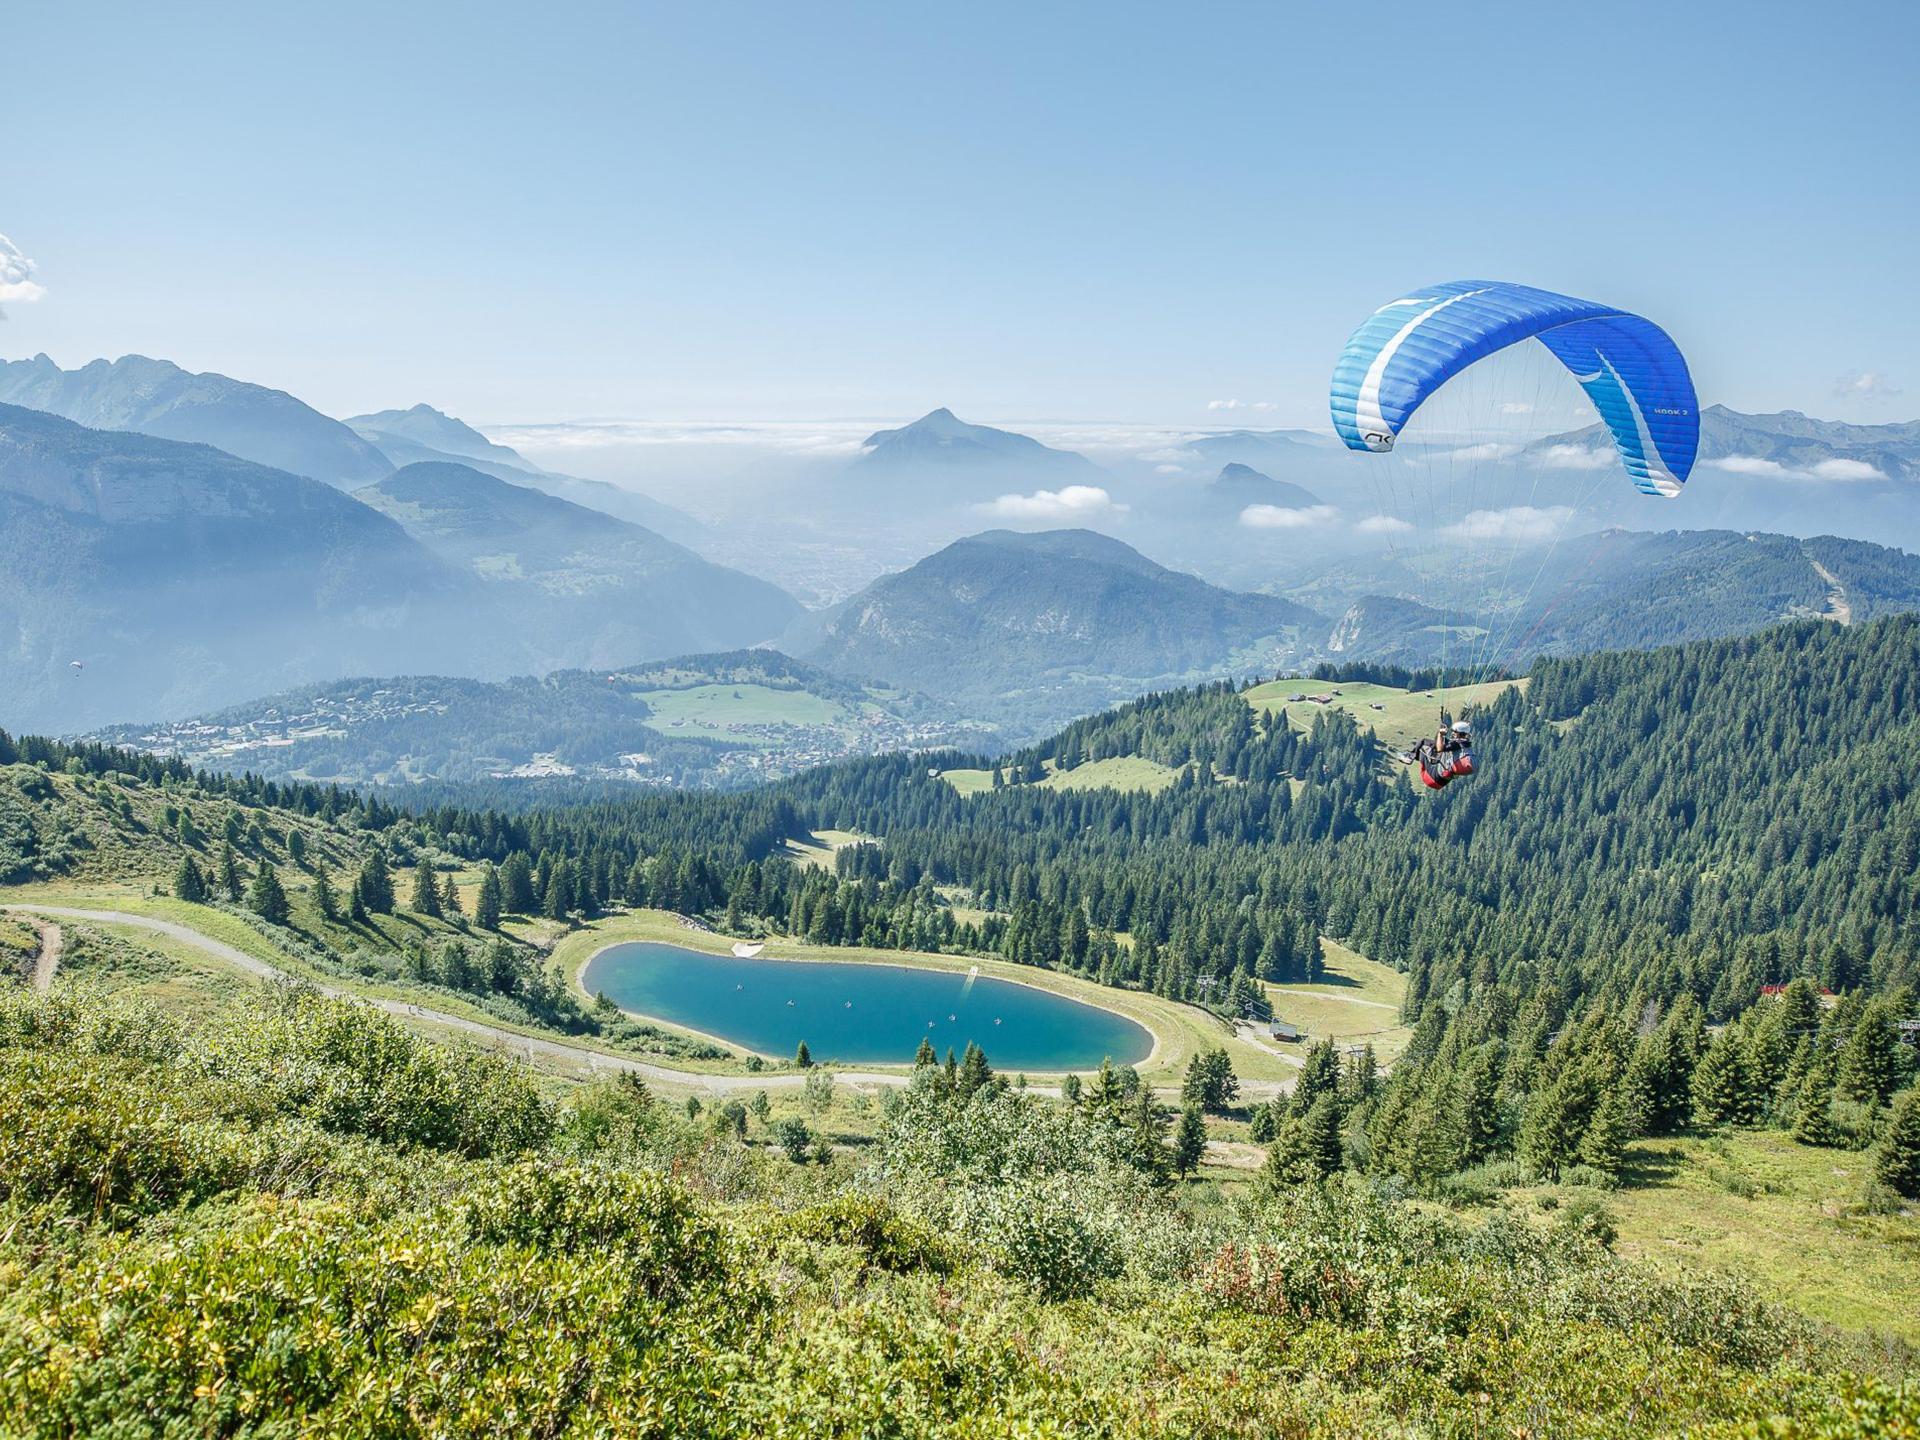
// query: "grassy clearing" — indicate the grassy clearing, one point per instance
point(1121, 772)
point(733, 712)
point(1179, 1031)
point(1403, 716)
point(155, 969)
point(1783, 1217)
point(819, 848)
point(1358, 1002)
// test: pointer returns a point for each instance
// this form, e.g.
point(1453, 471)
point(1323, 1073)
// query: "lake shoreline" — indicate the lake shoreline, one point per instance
point(950, 965)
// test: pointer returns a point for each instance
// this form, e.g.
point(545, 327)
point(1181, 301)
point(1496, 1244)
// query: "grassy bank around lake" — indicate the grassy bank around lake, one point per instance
point(1179, 1031)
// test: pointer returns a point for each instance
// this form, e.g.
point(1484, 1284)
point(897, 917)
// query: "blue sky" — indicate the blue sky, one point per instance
point(1108, 212)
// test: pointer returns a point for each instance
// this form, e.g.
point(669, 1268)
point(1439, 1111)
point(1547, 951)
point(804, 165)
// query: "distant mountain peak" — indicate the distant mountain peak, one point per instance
point(158, 398)
point(1241, 485)
point(942, 438)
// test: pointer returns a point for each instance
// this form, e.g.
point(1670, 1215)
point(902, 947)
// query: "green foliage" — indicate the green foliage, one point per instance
point(1897, 1162)
point(1210, 1082)
point(266, 897)
point(794, 1138)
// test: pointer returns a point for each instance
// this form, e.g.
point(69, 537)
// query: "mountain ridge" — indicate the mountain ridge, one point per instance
point(158, 398)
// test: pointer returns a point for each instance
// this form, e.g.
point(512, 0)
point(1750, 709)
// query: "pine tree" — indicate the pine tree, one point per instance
point(1604, 1146)
point(265, 897)
point(188, 883)
point(1305, 1147)
point(488, 904)
point(803, 1057)
point(426, 889)
point(1720, 1083)
point(559, 897)
point(1321, 1132)
point(975, 1073)
point(1897, 1160)
point(231, 880)
point(1264, 1125)
point(450, 900)
point(1190, 1140)
point(1870, 1060)
point(1210, 1082)
point(925, 1055)
point(324, 898)
point(373, 889)
point(1813, 1111)
point(516, 883)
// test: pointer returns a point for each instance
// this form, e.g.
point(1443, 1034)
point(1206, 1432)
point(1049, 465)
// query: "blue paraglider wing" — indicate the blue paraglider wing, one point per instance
point(1630, 369)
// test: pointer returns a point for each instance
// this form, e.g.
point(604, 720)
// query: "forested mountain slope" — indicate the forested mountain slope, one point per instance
point(182, 577)
point(1031, 629)
point(1708, 818)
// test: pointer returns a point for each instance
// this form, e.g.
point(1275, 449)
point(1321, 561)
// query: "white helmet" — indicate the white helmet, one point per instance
point(1461, 727)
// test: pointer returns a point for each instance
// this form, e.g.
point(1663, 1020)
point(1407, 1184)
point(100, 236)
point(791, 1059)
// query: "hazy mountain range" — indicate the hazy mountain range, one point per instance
point(573, 582)
point(181, 577)
point(407, 437)
point(184, 577)
point(157, 397)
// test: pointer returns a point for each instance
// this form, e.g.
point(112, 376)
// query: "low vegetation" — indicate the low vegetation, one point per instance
point(295, 1216)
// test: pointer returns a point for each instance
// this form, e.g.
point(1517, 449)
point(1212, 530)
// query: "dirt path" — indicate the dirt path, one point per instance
point(582, 1060)
point(1251, 1034)
point(1839, 609)
point(1344, 999)
point(48, 960)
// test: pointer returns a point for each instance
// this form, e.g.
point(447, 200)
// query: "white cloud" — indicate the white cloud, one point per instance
point(1576, 457)
point(1517, 522)
point(1835, 469)
point(1261, 405)
point(1169, 470)
point(827, 438)
point(1488, 450)
point(1383, 525)
point(1073, 502)
point(1280, 517)
point(1864, 385)
point(17, 284)
point(1838, 469)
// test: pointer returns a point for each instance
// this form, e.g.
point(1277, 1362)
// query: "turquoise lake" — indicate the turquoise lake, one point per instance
point(862, 1014)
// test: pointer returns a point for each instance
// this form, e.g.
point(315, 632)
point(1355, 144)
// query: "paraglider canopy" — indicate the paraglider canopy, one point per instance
point(1630, 369)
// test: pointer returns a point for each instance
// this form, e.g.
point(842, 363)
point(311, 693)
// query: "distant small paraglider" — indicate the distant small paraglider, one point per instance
point(77, 665)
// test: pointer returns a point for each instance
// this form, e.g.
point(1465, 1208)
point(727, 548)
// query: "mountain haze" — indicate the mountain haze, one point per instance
point(157, 397)
point(407, 437)
point(580, 587)
point(182, 577)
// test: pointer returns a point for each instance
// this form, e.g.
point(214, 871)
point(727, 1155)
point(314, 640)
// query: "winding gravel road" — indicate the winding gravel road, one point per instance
point(581, 1060)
